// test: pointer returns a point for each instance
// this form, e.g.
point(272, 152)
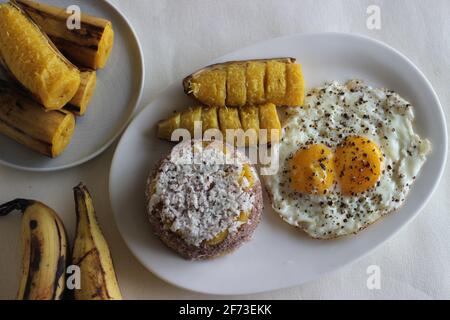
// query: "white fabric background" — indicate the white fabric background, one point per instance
point(179, 36)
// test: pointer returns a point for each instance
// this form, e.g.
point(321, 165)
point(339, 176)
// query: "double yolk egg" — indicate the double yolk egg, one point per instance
point(347, 158)
point(355, 166)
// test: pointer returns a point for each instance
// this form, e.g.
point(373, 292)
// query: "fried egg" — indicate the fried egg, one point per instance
point(346, 158)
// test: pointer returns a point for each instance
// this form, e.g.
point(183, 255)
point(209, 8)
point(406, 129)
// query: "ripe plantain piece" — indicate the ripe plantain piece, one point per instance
point(275, 82)
point(250, 119)
point(268, 119)
point(279, 81)
point(24, 120)
point(223, 118)
point(79, 103)
point(236, 85)
point(168, 126)
point(209, 118)
point(44, 250)
point(295, 86)
point(209, 87)
point(256, 73)
point(31, 58)
point(91, 253)
point(229, 120)
point(90, 46)
point(189, 117)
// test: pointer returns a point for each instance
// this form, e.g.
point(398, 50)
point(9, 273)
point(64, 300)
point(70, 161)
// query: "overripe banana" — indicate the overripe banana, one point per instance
point(44, 250)
point(91, 253)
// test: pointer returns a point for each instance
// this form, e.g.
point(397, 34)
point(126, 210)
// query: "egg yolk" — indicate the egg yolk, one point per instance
point(312, 169)
point(358, 162)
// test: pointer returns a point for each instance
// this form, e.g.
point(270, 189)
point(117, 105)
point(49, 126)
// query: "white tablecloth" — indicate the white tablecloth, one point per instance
point(178, 36)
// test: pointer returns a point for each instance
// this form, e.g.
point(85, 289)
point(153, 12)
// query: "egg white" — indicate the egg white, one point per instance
point(331, 113)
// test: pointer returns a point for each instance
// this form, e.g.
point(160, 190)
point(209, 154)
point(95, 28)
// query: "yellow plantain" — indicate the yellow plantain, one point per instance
point(91, 253)
point(80, 102)
point(248, 82)
point(254, 118)
point(25, 121)
point(32, 59)
point(89, 46)
point(44, 250)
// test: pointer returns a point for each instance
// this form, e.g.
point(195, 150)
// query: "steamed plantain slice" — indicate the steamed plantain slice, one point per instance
point(210, 87)
point(229, 119)
point(80, 102)
point(31, 58)
point(275, 82)
point(209, 118)
point(168, 126)
point(89, 46)
point(268, 120)
point(27, 122)
point(236, 85)
point(189, 117)
point(295, 85)
point(250, 119)
point(256, 73)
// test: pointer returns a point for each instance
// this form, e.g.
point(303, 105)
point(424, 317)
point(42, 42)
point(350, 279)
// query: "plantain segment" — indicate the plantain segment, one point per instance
point(31, 58)
point(236, 85)
point(209, 118)
point(22, 119)
point(210, 87)
point(90, 46)
point(275, 82)
point(295, 86)
point(269, 121)
point(80, 102)
point(249, 116)
point(229, 120)
point(189, 117)
point(168, 126)
point(256, 73)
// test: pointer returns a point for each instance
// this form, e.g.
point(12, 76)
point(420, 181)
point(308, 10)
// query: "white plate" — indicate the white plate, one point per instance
point(279, 256)
point(119, 88)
